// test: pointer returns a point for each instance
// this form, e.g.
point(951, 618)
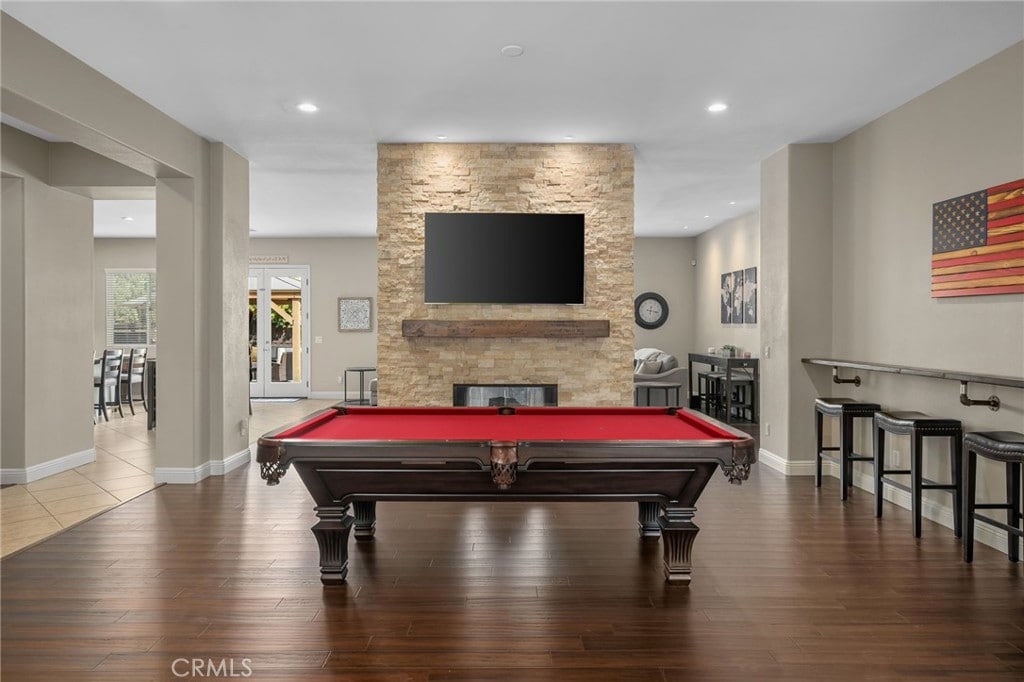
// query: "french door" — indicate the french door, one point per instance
point(278, 331)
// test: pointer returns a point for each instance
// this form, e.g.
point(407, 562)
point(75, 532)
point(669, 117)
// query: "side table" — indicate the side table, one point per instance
point(361, 371)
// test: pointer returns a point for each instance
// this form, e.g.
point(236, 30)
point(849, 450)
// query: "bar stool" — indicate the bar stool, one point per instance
point(1002, 446)
point(919, 426)
point(744, 395)
point(708, 390)
point(846, 410)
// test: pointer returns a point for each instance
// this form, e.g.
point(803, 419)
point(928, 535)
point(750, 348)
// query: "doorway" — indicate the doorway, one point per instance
point(278, 324)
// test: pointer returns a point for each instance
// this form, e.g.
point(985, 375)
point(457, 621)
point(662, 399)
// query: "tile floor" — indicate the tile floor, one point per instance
point(123, 469)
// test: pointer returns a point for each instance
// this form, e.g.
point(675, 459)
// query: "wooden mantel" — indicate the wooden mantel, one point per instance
point(479, 329)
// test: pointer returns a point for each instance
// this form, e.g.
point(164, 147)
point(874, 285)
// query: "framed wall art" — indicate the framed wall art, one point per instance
point(977, 240)
point(354, 314)
point(750, 296)
point(739, 296)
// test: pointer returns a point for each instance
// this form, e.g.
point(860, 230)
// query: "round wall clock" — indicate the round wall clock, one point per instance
point(650, 310)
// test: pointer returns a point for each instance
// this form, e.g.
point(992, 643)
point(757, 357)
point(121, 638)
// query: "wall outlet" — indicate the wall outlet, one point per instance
point(243, 427)
point(340, 380)
point(318, 339)
point(767, 429)
point(767, 351)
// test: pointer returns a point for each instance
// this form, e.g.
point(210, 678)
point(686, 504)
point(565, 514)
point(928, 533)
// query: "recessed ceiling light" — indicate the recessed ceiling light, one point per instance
point(732, 203)
point(512, 51)
point(128, 219)
point(568, 137)
point(442, 137)
point(307, 107)
point(707, 216)
point(686, 227)
point(717, 107)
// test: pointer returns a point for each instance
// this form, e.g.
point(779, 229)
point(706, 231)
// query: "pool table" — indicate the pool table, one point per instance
point(352, 457)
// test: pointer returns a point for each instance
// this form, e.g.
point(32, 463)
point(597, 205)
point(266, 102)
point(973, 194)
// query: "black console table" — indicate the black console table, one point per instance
point(729, 365)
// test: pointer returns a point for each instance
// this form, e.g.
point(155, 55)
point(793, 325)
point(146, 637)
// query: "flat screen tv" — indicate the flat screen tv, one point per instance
point(504, 258)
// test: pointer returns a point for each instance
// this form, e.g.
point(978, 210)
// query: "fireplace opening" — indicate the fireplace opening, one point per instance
point(500, 395)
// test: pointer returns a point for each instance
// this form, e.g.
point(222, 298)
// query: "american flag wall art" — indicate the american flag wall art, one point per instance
point(978, 243)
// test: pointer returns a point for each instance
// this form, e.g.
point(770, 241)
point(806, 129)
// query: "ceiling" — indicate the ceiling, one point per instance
point(622, 72)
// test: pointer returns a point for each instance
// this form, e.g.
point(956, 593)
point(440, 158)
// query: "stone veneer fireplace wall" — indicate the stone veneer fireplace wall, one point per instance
point(596, 180)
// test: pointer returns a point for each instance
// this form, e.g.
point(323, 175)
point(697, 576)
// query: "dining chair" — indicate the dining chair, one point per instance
point(108, 382)
point(97, 371)
point(133, 375)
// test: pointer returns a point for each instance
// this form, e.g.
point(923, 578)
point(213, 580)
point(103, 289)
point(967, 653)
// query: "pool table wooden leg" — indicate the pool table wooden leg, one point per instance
point(331, 534)
point(648, 521)
point(678, 532)
point(366, 520)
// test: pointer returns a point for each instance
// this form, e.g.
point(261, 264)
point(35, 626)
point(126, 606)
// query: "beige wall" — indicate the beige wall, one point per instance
point(11, 213)
point(228, 378)
point(12, 312)
point(46, 312)
point(337, 268)
point(49, 89)
point(344, 267)
point(663, 266)
point(596, 180)
point(115, 254)
point(797, 288)
point(348, 267)
point(773, 307)
point(965, 135)
point(733, 245)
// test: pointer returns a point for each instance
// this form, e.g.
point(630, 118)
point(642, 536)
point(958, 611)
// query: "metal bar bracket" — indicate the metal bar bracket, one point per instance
point(836, 380)
point(992, 402)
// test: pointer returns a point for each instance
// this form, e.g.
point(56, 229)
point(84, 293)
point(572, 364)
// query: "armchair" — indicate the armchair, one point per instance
point(653, 365)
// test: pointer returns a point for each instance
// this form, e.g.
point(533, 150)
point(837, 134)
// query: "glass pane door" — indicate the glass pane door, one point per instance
point(278, 319)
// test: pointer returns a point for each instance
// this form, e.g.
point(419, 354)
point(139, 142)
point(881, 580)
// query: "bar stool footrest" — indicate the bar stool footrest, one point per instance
point(899, 485)
point(999, 524)
point(925, 485)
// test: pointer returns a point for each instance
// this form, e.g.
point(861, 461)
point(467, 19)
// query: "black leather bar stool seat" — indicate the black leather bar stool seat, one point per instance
point(846, 410)
point(919, 426)
point(1001, 446)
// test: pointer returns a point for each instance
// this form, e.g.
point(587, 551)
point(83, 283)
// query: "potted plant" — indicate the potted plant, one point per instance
point(728, 351)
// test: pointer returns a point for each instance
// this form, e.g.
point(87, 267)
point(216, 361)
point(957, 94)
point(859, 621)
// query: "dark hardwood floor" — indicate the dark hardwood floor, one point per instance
point(789, 584)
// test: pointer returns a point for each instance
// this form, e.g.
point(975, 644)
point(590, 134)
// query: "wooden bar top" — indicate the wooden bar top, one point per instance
point(991, 379)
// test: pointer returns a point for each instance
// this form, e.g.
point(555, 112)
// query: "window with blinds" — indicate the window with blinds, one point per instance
point(131, 307)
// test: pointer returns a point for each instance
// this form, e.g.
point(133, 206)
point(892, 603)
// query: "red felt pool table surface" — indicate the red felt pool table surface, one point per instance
point(525, 424)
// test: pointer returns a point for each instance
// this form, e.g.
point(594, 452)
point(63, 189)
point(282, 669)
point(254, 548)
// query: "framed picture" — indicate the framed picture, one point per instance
point(750, 296)
point(728, 283)
point(354, 314)
point(739, 296)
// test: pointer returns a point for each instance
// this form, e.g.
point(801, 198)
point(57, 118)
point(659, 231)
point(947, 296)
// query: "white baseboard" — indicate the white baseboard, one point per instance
point(182, 475)
point(773, 461)
point(933, 511)
point(192, 475)
point(327, 395)
point(222, 466)
point(49, 468)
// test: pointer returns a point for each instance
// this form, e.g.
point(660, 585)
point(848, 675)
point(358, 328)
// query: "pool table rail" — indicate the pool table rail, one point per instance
point(504, 458)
